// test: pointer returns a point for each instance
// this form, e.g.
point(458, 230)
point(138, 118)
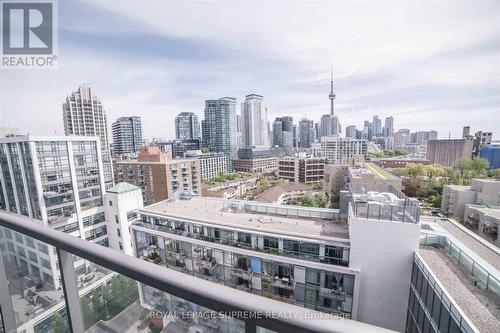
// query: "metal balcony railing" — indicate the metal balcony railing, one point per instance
point(482, 276)
point(255, 312)
point(407, 212)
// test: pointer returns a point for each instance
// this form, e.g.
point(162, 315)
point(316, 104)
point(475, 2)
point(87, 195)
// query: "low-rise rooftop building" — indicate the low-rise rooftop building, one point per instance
point(484, 220)
point(369, 176)
point(211, 164)
point(230, 189)
point(481, 191)
point(256, 165)
point(159, 175)
point(301, 168)
point(285, 194)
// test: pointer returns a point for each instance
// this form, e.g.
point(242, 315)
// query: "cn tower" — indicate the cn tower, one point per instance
point(332, 94)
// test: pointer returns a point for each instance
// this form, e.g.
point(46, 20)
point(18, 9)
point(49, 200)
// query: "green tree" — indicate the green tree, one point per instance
point(264, 183)
point(58, 323)
point(205, 150)
point(435, 201)
point(478, 166)
point(108, 300)
point(95, 298)
point(89, 317)
point(377, 155)
point(400, 171)
point(448, 174)
point(464, 166)
point(220, 178)
point(401, 152)
point(317, 185)
point(415, 170)
point(308, 201)
point(321, 199)
point(433, 171)
point(334, 198)
point(409, 188)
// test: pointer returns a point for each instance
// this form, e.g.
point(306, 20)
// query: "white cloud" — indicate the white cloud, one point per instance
point(412, 60)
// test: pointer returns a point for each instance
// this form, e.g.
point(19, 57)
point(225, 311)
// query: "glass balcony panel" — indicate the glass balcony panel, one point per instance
point(34, 287)
point(112, 302)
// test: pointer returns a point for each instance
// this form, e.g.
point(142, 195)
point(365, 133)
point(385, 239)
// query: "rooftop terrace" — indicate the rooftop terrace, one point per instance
point(388, 204)
point(379, 172)
point(306, 222)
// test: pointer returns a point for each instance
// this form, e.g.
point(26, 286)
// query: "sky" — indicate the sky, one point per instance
point(431, 65)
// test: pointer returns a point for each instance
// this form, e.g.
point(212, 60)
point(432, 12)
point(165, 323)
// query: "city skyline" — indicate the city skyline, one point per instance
point(452, 77)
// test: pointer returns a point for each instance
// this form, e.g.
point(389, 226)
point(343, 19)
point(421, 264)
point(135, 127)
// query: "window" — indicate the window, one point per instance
point(116, 219)
point(30, 242)
point(20, 251)
point(311, 296)
point(118, 232)
point(32, 256)
point(69, 228)
point(45, 263)
point(110, 203)
point(48, 278)
point(312, 276)
point(132, 215)
point(94, 219)
point(19, 238)
point(270, 243)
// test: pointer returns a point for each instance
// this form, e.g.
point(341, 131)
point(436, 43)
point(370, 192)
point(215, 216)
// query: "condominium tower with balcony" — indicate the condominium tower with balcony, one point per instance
point(297, 255)
point(58, 182)
point(84, 115)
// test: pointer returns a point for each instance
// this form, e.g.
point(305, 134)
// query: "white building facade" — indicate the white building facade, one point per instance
point(254, 122)
point(55, 181)
point(337, 150)
point(122, 203)
point(211, 164)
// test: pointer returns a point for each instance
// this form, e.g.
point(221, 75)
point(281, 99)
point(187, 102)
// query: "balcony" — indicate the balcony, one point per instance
point(284, 283)
point(332, 293)
point(113, 302)
point(241, 273)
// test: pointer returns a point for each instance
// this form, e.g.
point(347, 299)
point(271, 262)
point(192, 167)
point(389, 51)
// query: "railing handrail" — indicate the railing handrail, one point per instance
point(207, 294)
point(410, 207)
